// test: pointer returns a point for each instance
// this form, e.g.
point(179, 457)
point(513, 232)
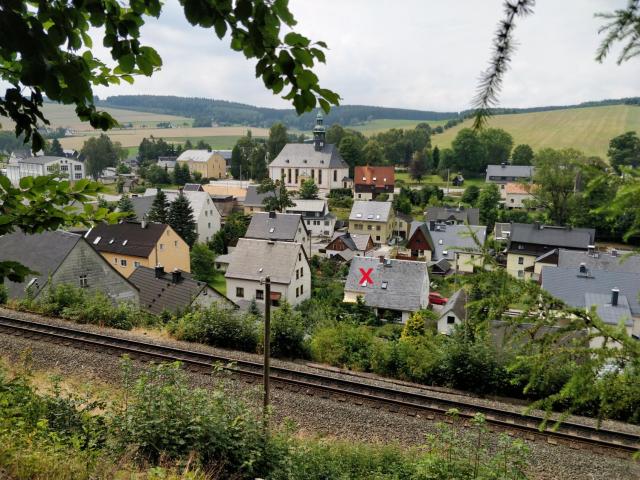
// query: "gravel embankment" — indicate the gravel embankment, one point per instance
point(314, 415)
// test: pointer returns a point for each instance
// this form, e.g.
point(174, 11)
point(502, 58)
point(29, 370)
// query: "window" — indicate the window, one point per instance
point(239, 292)
point(368, 227)
point(520, 273)
point(308, 222)
point(97, 240)
point(123, 262)
point(209, 225)
point(259, 294)
point(206, 214)
point(384, 285)
point(359, 196)
point(297, 274)
point(162, 246)
point(377, 238)
point(299, 257)
point(326, 223)
point(175, 243)
point(78, 176)
point(301, 289)
point(84, 282)
point(319, 176)
point(451, 320)
point(301, 272)
point(64, 168)
point(136, 264)
point(520, 260)
point(297, 292)
point(335, 175)
point(275, 303)
point(378, 227)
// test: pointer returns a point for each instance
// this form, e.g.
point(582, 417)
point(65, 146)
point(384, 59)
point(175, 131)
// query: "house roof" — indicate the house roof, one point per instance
point(404, 216)
point(192, 187)
point(570, 286)
point(254, 259)
point(521, 171)
point(607, 312)
point(406, 283)
point(459, 214)
point(353, 242)
point(126, 238)
point(225, 188)
point(274, 226)
point(455, 238)
point(500, 229)
point(378, 176)
point(552, 236)
point(302, 155)
point(457, 304)
point(599, 260)
point(44, 159)
point(370, 211)
point(196, 155)
point(302, 205)
point(442, 265)
point(225, 208)
point(513, 188)
point(255, 199)
point(160, 294)
point(415, 226)
point(41, 252)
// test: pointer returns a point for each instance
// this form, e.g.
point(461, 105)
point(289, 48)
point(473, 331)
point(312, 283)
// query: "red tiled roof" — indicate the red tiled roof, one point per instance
point(378, 176)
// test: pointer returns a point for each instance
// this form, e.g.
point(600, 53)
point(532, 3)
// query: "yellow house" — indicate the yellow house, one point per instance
point(372, 218)
point(209, 163)
point(129, 245)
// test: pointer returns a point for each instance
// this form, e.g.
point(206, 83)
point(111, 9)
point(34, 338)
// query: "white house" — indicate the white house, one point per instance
point(280, 227)
point(207, 216)
point(454, 312)
point(70, 168)
point(253, 260)
point(316, 216)
point(319, 161)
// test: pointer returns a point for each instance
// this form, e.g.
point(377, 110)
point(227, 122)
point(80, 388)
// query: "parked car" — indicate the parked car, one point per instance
point(437, 299)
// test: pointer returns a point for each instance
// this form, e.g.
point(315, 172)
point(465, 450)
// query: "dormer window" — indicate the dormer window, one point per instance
point(384, 285)
point(124, 242)
point(364, 179)
point(358, 215)
point(97, 240)
point(272, 229)
point(384, 179)
point(374, 179)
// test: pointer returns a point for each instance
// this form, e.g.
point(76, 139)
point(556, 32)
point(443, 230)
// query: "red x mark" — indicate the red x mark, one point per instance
point(366, 276)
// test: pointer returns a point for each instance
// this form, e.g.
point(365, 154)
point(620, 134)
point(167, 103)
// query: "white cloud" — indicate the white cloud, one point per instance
point(411, 53)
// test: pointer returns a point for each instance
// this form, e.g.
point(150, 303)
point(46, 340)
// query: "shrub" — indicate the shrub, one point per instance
point(4, 294)
point(217, 326)
point(287, 333)
point(343, 345)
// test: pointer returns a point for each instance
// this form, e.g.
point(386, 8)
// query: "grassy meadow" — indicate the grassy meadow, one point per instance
point(376, 126)
point(587, 129)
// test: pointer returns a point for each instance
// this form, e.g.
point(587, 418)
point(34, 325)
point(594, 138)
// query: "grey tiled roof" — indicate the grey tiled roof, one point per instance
point(461, 214)
point(570, 286)
point(353, 242)
point(606, 311)
point(43, 160)
point(452, 238)
point(552, 236)
point(284, 226)
point(127, 238)
point(300, 155)
point(457, 304)
point(600, 261)
point(302, 205)
point(142, 205)
point(407, 283)
point(193, 187)
point(522, 171)
point(253, 198)
point(255, 259)
point(159, 294)
point(370, 211)
point(41, 252)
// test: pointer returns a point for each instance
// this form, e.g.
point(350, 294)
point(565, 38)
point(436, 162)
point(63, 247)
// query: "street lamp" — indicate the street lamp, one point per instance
point(267, 347)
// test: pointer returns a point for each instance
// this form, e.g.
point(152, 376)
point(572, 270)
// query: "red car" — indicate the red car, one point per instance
point(437, 299)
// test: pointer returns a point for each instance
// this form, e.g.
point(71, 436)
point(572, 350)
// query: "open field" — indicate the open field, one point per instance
point(376, 126)
point(133, 137)
point(587, 129)
point(65, 116)
point(436, 180)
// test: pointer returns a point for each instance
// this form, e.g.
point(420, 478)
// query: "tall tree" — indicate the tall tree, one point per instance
point(159, 211)
point(497, 144)
point(278, 138)
point(471, 194)
point(125, 206)
point(488, 202)
point(469, 152)
point(181, 174)
point(624, 150)
point(202, 261)
point(58, 62)
point(99, 153)
point(335, 133)
point(308, 189)
point(522, 155)
point(418, 165)
point(55, 149)
point(557, 178)
point(280, 200)
point(373, 153)
point(435, 158)
point(351, 151)
point(258, 162)
point(236, 161)
point(181, 219)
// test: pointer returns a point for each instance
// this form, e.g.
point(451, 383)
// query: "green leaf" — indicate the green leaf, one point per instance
point(26, 182)
point(127, 62)
point(5, 183)
point(296, 40)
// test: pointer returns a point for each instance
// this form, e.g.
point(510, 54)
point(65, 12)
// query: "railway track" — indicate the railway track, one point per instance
point(526, 426)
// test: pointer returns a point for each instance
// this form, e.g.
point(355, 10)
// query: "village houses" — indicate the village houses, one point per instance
point(282, 227)
point(210, 164)
point(344, 246)
point(369, 182)
point(316, 215)
point(505, 173)
point(372, 218)
point(69, 168)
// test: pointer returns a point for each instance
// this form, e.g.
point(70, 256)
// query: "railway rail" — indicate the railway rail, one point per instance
point(574, 435)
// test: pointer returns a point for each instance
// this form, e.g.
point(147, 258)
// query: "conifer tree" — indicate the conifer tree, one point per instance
point(125, 205)
point(159, 208)
point(181, 219)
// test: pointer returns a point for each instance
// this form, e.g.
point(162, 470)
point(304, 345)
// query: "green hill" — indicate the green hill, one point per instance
point(587, 129)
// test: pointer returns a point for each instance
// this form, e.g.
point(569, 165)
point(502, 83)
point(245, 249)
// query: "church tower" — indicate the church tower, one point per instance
point(318, 133)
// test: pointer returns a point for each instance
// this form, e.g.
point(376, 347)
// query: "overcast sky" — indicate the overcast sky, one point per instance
point(422, 54)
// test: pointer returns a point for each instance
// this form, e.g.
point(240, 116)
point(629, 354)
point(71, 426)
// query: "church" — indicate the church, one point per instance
point(319, 161)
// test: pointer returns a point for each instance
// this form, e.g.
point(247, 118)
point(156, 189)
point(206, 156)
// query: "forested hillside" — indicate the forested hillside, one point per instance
point(231, 113)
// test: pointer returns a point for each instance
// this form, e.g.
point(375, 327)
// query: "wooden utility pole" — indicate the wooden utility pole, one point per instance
point(267, 347)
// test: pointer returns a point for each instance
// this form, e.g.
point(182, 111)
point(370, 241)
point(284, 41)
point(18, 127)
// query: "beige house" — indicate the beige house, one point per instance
point(372, 218)
point(253, 260)
point(209, 163)
point(516, 194)
point(129, 245)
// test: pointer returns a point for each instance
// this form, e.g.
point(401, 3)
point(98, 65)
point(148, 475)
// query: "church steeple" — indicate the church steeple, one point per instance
point(318, 133)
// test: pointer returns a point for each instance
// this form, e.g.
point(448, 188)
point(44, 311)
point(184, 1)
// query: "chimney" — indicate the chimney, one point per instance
point(176, 275)
point(583, 268)
point(159, 271)
point(272, 214)
point(591, 250)
point(143, 223)
point(503, 165)
point(614, 297)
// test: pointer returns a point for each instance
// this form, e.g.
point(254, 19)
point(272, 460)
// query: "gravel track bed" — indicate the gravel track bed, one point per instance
point(316, 416)
point(150, 336)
